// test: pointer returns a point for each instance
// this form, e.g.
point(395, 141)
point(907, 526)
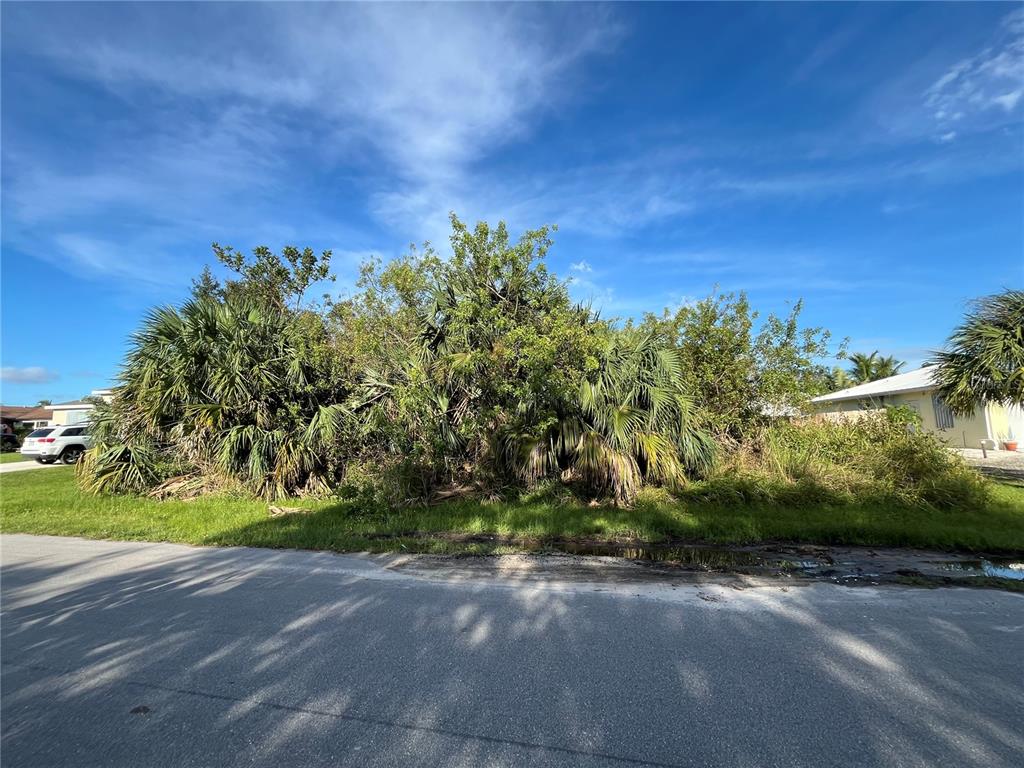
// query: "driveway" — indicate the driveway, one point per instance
point(1007, 465)
point(126, 654)
point(21, 466)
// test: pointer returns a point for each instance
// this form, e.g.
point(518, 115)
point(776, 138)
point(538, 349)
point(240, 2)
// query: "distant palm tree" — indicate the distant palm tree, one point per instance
point(886, 367)
point(984, 357)
point(871, 367)
point(838, 379)
point(862, 366)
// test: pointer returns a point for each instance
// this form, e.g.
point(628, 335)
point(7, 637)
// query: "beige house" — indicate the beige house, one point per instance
point(76, 411)
point(916, 390)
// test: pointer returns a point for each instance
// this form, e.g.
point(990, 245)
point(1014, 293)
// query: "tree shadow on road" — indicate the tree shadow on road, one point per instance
point(244, 657)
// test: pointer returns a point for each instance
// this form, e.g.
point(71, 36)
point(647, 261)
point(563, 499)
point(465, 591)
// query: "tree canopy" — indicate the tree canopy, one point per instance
point(474, 373)
point(865, 367)
point(983, 361)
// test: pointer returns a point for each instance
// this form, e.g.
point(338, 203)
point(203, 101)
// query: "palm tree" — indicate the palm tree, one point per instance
point(871, 367)
point(218, 392)
point(862, 366)
point(886, 367)
point(632, 423)
point(983, 361)
point(837, 379)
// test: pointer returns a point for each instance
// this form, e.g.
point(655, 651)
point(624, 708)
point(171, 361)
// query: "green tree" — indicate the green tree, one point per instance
point(887, 366)
point(838, 379)
point(224, 392)
point(277, 280)
point(206, 286)
point(983, 361)
point(43, 403)
point(866, 367)
point(862, 366)
point(475, 346)
point(738, 374)
point(508, 381)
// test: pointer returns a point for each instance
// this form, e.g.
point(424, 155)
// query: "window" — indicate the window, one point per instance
point(77, 417)
point(943, 416)
point(72, 432)
point(40, 433)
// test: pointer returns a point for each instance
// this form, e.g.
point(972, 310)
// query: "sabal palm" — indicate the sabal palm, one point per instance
point(218, 389)
point(631, 423)
point(984, 358)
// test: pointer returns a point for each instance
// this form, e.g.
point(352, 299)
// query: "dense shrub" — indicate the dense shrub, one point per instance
point(469, 375)
point(880, 458)
point(479, 375)
point(743, 374)
point(490, 377)
point(222, 393)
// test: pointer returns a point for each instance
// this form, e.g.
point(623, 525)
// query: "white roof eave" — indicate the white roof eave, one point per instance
point(912, 381)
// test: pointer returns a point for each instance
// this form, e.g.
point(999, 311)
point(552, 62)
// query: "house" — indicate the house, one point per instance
point(917, 390)
point(25, 416)
point(77, 411)
point(40, 416)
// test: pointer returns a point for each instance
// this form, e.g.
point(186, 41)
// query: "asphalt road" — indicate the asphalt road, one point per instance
point(120, 654)
point(21, 466)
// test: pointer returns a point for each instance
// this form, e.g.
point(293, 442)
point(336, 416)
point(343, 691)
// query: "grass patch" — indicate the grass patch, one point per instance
point(49, 502)
point(7, 458)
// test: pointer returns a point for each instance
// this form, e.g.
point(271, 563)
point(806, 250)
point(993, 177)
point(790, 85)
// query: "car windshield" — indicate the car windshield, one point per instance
point(40, 433)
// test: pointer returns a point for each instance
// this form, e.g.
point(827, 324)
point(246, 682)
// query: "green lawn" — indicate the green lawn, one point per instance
point(7, 458)
point(49, 502)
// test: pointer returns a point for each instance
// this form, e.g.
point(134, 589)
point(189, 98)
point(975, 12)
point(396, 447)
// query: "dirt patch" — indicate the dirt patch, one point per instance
point(738, 566)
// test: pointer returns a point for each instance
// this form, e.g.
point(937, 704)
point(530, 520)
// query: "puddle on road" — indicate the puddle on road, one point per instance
point(707, 557)
point(723, 559)
point(841, 565)
point(710, 558)
point(998, 569)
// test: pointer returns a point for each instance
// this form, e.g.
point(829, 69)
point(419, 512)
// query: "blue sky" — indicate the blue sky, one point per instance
point(866, 158)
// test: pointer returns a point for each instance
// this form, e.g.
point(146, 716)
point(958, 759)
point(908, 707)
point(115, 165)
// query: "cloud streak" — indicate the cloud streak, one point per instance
point(30, 375)
point(405, 98)
point(984, 89)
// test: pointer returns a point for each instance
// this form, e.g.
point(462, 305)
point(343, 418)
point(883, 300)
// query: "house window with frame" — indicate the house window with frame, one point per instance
point(943, 416)
point(78, 417)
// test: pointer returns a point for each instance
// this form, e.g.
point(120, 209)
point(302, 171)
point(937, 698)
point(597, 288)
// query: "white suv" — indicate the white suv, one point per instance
point(51, 443)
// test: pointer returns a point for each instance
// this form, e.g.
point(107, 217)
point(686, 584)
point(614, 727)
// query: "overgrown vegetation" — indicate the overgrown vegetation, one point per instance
point(879, 459)
point(221, 393)
point(49, 502)
point(984, 357)
point(477, 376)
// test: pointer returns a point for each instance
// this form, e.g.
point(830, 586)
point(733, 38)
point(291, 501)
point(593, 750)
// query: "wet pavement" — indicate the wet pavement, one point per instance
point(792, 562)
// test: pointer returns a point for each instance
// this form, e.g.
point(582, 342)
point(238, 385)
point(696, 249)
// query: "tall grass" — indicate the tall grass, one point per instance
point(881, 458)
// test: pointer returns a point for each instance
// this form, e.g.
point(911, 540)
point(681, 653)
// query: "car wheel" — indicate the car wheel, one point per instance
point(71, 455)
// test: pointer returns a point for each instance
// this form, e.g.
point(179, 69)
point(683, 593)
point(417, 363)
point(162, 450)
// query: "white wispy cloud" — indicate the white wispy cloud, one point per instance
point(402, 105)
point(30, 375)
point(406, 99)
point(430, 88)
point(581, 266)
point(982, 89)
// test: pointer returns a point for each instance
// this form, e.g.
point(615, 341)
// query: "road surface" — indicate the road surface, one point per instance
point(119, 654)
point(24, 464)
